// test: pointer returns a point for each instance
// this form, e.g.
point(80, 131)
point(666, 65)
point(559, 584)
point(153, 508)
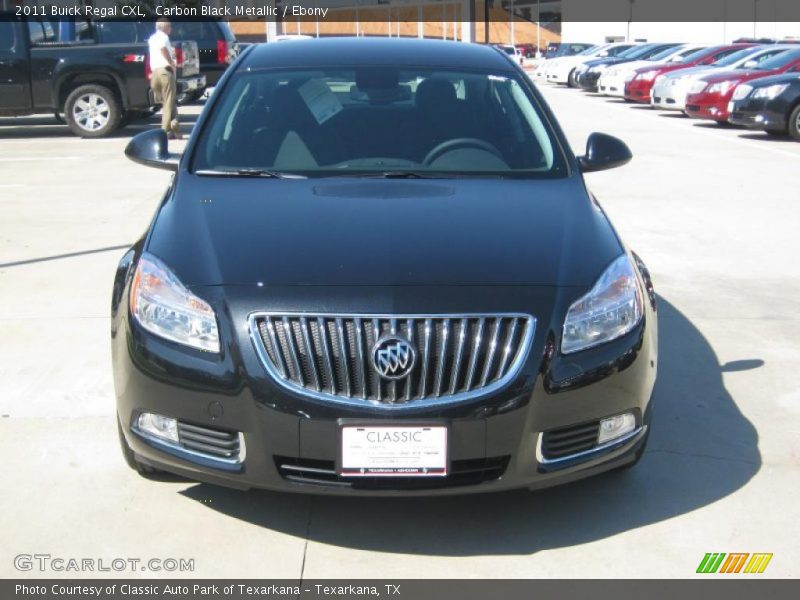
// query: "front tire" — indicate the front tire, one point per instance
point(571, 80)
point(794, 123)
point(92, 111)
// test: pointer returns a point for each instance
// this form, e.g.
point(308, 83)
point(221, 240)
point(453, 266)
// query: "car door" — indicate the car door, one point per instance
point(15, 92)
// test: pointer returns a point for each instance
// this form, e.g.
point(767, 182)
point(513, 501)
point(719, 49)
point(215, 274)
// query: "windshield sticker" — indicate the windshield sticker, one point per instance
point(319, 98)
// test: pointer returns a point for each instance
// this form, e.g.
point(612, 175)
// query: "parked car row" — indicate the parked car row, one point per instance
point(750, 84)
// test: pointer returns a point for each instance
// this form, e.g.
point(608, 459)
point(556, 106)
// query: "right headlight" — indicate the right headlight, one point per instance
point(166, 308)
point(612, 308)
point(769, 92)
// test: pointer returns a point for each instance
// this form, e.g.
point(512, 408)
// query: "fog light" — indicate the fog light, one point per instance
point(614, 427)
point(158, 426)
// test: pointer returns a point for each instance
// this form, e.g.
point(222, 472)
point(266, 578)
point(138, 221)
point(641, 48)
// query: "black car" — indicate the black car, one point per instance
point(378, 270)
point(768, 103)
point(591, 71)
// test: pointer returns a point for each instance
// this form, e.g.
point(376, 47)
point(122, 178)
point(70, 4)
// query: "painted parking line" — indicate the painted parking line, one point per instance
point(37, 158)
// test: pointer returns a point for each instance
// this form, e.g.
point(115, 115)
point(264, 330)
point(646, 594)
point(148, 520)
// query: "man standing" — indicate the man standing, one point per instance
point(163, 77)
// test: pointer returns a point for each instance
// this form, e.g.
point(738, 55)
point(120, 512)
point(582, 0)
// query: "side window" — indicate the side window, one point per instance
point(767, 56)
point(7, 37)
point(117, 32)
point(84, 31)
point(36, 32)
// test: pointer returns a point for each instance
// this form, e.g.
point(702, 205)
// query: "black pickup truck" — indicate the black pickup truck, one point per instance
point(96, 86)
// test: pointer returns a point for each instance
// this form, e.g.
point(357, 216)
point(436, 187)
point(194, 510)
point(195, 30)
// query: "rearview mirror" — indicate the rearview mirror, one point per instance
point(604, 152)
point(150, 148)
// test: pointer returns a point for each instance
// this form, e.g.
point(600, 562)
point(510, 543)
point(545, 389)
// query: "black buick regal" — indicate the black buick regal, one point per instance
point(378, 270)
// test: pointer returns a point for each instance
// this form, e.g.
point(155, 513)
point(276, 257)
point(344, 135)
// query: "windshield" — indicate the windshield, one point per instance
point(681, 56)
point(377, 120)
point(663, 54)
point(780, 61)
point(735, 57)
point(590, 51)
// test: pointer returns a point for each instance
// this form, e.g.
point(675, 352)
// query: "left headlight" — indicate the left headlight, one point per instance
point(166, 308)
point(612, 308)
point(770, 91)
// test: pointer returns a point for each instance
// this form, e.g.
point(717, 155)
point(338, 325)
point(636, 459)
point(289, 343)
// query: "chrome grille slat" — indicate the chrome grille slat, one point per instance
point(326, 357)
point(360, 365)
point(310, 352)
point(459, 355)
point(344, 357)
point(330, 356)
point(473, 357)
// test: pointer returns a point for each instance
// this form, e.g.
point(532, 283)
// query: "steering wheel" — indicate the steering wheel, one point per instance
point(458, 143)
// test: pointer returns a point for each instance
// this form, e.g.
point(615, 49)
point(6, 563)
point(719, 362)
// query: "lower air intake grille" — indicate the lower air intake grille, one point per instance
point(211, 442)
point(451, 357)
point(569, 440)
point(323, 472)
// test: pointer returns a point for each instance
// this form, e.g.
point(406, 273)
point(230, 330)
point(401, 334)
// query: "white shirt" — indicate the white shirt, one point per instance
point(157, 41)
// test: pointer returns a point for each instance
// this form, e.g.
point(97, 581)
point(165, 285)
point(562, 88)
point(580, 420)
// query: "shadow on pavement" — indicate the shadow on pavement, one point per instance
point(43, 126)
point(701, 450)
point(763, 135)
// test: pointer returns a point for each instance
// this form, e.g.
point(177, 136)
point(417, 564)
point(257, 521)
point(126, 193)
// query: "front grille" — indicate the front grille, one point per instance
point(210, 442)
point(330, 356)
point(569, 440)
point(323, 472)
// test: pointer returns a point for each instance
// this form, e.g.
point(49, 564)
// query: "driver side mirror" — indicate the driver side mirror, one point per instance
point(150, 148)
point(604, 152)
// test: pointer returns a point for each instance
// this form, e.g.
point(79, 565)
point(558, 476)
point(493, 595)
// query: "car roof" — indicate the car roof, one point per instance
point(351, 51)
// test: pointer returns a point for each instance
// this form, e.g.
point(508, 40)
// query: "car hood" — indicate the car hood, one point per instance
point(793, 78)
point(690, 72)
point(734, 75)
point(228, 231)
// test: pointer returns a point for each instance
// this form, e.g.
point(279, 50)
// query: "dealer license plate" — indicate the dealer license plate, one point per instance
point(393, 451)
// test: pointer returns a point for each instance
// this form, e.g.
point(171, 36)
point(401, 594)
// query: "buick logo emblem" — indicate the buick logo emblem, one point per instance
point(393, 357)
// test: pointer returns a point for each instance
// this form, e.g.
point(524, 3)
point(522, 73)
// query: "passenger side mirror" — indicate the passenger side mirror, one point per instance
point(604, 152)
point(750, 64)
point(150, 149)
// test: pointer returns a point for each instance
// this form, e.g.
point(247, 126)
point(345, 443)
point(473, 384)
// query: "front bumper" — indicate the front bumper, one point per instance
point(758, 113)
point(669, 95)
point(611, 86)
point(638, 90)
point(291, 441)
point(707, 106)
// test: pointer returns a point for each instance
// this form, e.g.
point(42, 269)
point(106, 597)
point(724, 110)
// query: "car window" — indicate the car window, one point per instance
point(197, 31)
point(368, 119)
point(7, 36)
point(118, 32)
point(681, 56)
point(780, 61)
point(735, 57)
point(41, 32)
point(662, 54)
point(84, 31)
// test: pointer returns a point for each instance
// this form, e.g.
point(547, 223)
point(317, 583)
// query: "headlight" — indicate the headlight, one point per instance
point(646, 76)
point(741, 91)
point(698, 86)
point(164, 307)
point(770, 91)
point(721, 88)
point(612, 308)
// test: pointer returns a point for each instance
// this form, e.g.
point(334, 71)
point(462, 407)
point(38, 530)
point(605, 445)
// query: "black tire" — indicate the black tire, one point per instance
point(571, 82)
point(101, 106)
point(130, 457)
point(794, 123)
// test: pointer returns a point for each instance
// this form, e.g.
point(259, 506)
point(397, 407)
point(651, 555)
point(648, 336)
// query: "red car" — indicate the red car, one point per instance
point(640, 87)
point(709, 96)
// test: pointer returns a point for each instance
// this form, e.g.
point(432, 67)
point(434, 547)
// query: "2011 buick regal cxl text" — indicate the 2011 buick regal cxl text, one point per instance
point(378, 270)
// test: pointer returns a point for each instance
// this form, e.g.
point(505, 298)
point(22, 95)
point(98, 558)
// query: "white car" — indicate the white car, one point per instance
point(562, 70)
point(612, 81)
point(512, 51)
point(670, 89)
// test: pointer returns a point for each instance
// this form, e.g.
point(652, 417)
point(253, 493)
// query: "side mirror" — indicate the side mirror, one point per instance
point(604, 152)
point(150, 148)
point(750, 64)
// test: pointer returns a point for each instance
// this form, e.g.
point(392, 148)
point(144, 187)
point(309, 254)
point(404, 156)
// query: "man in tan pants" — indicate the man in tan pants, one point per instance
point(163, 78)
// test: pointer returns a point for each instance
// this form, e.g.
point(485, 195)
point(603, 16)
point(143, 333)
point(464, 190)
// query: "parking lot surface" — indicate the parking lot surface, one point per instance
point(712, 211)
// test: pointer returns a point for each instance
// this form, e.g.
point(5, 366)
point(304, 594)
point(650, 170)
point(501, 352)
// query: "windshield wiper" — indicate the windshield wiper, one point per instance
point(250, 173)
